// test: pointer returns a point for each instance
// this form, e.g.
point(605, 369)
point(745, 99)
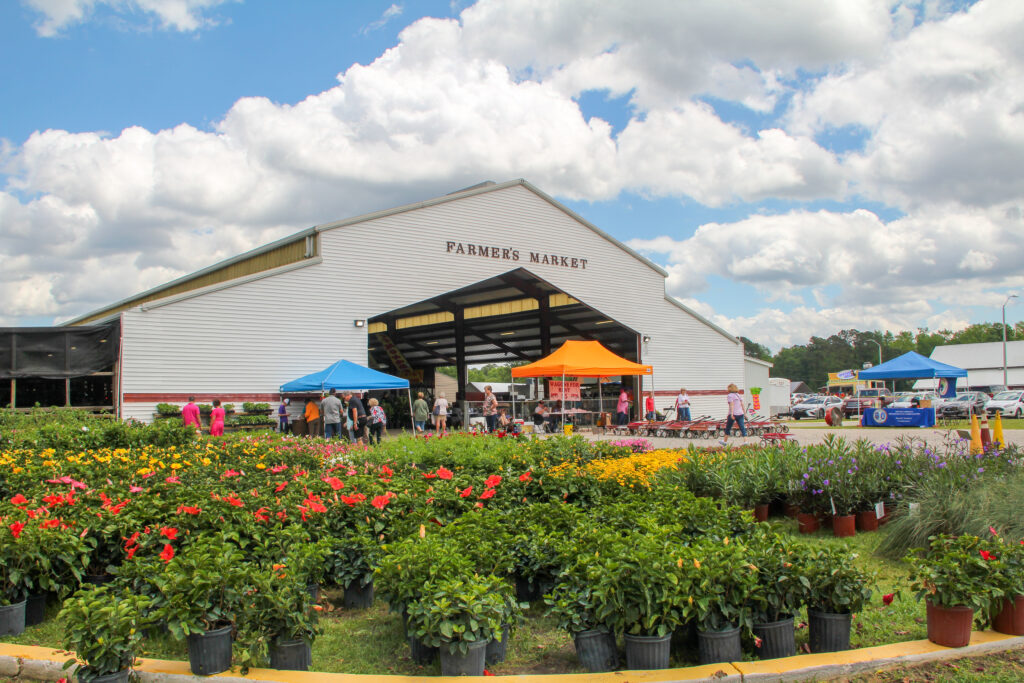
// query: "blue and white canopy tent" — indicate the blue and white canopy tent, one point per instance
point(913, 365)
point(345, 375)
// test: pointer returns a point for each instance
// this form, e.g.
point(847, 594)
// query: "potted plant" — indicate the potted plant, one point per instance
point(956, 576)
point(571, 603)
point(164, 410)
point(276, 619)
point(57, 564)
point(836, 589)
point(780, 591)
point(638, 589)
point(104, 628)
point(18, 544)
point(1009, 611)
point(203, 587)
point(351, 564)
point(723, 578)
point(459, 616)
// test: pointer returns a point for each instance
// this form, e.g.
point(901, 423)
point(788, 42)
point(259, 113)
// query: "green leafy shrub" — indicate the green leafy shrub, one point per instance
point(957, 571)
point(455, 612)
point(168, 409)
point(103, 627)
point(834, 583)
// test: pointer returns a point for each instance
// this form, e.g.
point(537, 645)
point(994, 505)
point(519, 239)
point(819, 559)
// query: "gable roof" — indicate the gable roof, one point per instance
point(264, 257)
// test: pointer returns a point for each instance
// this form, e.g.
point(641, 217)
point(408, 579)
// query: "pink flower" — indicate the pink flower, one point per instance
point(134, 489)
point(173, 480)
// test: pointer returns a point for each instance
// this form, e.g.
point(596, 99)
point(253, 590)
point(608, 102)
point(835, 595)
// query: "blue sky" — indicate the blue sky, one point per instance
point(849, 166)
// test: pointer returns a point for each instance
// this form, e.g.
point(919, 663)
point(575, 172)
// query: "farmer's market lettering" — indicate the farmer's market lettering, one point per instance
point(509, 254)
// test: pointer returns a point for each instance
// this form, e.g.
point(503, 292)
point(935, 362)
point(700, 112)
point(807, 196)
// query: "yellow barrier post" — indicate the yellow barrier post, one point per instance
point(975, 435)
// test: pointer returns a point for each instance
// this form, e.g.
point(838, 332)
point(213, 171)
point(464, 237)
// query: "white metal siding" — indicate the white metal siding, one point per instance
point(253, 337)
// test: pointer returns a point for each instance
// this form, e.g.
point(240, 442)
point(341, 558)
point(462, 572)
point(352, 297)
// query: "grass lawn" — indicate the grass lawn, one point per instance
point(1006, 667)
point(370, 641)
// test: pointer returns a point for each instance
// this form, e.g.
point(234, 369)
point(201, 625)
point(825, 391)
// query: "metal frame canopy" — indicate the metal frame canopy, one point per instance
point(515, 316)
point(911, 365)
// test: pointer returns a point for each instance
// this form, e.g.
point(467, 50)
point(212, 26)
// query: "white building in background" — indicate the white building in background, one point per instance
point(983, 363)
point(493, 273)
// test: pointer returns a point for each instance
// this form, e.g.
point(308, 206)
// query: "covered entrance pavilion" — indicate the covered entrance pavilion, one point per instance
point(515, 316)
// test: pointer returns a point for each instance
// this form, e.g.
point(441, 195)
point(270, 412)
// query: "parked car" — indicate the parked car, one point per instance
point(815, 406)
point(865, 400)
point(964, 405)
point(990, 389)
point(907, 400)
point(1009, 403)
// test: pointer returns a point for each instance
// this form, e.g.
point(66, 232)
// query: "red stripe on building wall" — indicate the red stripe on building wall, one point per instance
point(173, 398)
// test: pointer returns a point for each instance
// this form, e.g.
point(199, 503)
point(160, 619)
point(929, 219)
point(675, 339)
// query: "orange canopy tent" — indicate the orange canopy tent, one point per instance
point(581, 359)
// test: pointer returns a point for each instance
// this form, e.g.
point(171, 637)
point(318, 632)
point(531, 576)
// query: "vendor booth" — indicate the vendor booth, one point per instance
point(347, 376)
point(581, 359)
point(910, 365)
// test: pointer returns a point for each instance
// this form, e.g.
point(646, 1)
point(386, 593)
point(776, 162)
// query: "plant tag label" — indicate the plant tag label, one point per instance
point(913, 508)
point(833, 501)
point(879, 510)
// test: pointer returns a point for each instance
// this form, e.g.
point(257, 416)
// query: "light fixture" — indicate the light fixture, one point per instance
point(103, 341)
point(432, 342)
point(359, 323)
point(647, 339)
point(506, 334)
point(603, 322)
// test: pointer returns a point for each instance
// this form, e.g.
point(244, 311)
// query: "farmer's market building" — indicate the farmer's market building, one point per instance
point(494, 273)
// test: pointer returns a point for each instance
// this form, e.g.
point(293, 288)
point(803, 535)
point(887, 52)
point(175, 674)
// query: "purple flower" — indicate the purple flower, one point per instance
point(941, 465)
point(825, 483)
point(806, 476)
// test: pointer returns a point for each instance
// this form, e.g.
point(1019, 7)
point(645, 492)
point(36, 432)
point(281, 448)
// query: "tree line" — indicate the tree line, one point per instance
point(850, 349)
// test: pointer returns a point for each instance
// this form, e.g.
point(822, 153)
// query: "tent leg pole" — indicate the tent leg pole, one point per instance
point(412, 420)
point(563, 401)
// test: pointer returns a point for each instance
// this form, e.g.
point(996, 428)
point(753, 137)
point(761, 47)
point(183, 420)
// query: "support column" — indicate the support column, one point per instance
point(461, 371)
point(544, 312)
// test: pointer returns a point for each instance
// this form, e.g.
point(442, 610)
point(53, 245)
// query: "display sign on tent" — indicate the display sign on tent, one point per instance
point(569, 390)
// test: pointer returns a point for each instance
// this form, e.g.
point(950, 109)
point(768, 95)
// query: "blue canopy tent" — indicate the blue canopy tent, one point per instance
point(913, 365)
point(345, 375)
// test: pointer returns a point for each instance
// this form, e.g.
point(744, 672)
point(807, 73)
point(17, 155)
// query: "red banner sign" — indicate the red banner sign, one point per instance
point(568, 390)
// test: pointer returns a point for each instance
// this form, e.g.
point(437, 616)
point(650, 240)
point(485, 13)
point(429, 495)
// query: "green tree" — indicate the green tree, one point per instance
point(754, 350)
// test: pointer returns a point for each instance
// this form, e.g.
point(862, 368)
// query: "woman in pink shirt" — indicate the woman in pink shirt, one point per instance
point(217, 419)
point(190, 414)
point(735, 413)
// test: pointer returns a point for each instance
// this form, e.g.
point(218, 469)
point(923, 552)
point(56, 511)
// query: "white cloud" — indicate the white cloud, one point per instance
point(178, 15)
point(389, 14)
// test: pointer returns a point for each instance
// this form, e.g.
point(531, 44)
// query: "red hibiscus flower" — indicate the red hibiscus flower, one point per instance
point(386, 471)
point(261, 515)
point(887, 599)
point(19, 500)
point(429, 475)
point(986, 555)
point(16, 528)
point(131, 540)
point(280, 487)
point(379, 502)
point(334, 483)
point(234, 500)
point(489, 493)
point(525, 476)
point(492, 481)
point(188, 510)
point(466, 493)
point(229, 474)
point(131, 551)
point(50, 524)
point(169, 532)
point(53, 499)
point(167, 553)
point(444, 473)
point(278, 468)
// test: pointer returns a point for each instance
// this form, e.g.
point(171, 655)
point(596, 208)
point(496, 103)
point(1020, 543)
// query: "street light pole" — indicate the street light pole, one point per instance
point(1005, 383)
point(880, 358)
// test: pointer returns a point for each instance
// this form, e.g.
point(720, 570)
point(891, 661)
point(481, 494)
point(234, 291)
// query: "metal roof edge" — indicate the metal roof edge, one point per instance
point(698, 316)
point(758, 361)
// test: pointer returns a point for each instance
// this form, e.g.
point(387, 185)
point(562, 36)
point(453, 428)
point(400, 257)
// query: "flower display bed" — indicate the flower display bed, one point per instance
point(200, 534)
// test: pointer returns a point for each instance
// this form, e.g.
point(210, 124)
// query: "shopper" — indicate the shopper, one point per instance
point(330, 408)
point(378, 420)
point(357, 412)
point(217, 419)
point(650, 413)
point(420, 412)
point(440, 414)
point(490, 408)
point(736, 413)
point(683, 406)
point(540, 417)
point(622, 408)
point(282, 415)
point(312, 418)
point(190, 414)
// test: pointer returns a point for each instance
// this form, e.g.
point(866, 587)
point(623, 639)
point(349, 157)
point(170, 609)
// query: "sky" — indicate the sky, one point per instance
point(798, 167)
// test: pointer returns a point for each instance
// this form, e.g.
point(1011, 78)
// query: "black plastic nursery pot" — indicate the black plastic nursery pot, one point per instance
point(596, 650)
point(12, 619)
point(359, 597)
point(291, 655)
point(469, 664)
point(420, 653)
point(210, 652)
point(648, 652)
point(828, 632)
point(778, 639)
point(84, 676)
point(35, 609)
point(719, 646)
point(314, 591)
point(527, 590)
point(496, 649)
